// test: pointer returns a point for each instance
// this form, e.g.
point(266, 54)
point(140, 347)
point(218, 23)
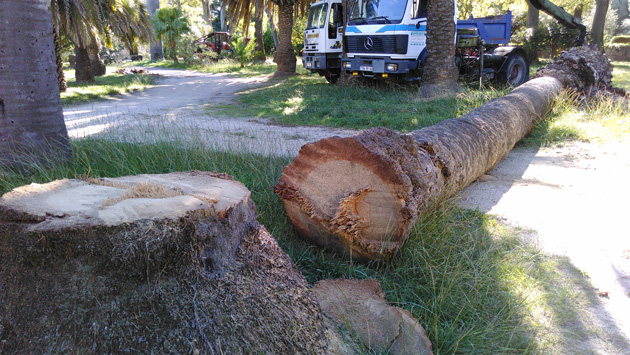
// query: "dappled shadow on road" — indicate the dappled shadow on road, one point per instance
point(172, 94)
point(572, 313)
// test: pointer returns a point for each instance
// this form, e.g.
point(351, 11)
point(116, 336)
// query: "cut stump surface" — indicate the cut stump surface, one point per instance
point(171, 263)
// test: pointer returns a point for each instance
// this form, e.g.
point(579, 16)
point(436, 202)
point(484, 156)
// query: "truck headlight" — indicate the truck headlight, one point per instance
point(392, 67)
point(347, 65)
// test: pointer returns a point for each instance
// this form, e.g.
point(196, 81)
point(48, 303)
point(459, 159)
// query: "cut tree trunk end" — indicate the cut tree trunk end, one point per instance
point(363, 194)
point(170, 259)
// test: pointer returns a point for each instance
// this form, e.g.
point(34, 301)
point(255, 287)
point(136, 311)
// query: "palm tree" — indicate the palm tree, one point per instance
point(285, 55)
point(31, 119)
point(170, 23)
point(439, 75)
point(156, 45)
point(86, 20)
point(242, 48)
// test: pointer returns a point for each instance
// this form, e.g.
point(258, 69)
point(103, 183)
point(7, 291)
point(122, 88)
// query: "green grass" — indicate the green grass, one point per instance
point(107, 85)
point(310, 101)
point(597, 121)
point(224, 66)
point(474, 286)
point(621, 75)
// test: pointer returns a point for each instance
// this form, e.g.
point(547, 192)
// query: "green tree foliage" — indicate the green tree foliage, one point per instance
point(82, 20)
point(170, 24)
point(242, 50)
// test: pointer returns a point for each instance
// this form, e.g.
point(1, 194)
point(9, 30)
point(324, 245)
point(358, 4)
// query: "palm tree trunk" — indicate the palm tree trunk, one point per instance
point(363, 194)
point(98, 67)
point(155, 47)
point(173, 47)
point(83, 72)
point(440, 73)
point(31, 119)
point(61, 77)
point(285, 55)
point(274, 33)
point(206, 11)
point(259, 49)
point(222, 15)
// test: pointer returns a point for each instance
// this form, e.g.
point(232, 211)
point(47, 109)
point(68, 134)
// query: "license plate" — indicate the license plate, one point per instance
point(366, 68)
point(309, 64)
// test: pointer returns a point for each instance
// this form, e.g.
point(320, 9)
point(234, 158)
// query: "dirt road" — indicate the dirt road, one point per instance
point(572, 200)
point(179, 108)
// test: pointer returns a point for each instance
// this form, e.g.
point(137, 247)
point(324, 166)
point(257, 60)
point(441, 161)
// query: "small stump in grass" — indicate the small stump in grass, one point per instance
point(172, 263)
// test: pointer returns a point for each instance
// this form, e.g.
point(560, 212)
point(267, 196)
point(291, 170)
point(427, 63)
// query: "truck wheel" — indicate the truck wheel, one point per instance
point(332, 76)
point(516, 71)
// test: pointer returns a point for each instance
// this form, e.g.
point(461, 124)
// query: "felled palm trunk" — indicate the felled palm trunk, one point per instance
point(363, 194)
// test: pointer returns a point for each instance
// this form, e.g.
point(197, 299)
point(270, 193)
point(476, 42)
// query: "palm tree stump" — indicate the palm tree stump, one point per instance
point(155, 263)
point(363, 194)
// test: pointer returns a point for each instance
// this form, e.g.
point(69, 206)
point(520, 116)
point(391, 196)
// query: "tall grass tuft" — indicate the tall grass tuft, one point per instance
point(601, 119)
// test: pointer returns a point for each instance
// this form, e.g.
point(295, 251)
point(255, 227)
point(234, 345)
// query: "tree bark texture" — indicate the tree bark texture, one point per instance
point(599, 21)
point(274, 32)
point(157, 53)
point(285, 55)
point(31, 119)
point(206, 8)
point(61, 77)
point(440, 73)
point(98, 67)
point(363, 194)
point(223, 16)
point(83, 70)
point(259, 49)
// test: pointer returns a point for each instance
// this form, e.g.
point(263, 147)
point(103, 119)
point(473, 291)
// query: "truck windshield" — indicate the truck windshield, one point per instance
point(317, 16)
point(377, 11)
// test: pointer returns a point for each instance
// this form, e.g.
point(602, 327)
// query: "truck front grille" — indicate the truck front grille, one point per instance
point(396, 44)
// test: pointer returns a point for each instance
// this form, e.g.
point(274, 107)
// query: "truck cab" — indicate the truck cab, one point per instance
point(323, 39)
point(386, 37)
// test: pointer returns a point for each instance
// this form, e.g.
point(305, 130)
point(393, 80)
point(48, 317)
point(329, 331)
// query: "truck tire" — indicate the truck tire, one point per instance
point(332, 75)
point(330, 78)
point(515, 71)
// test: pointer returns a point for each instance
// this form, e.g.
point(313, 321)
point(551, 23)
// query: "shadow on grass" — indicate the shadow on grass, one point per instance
point(108, 85)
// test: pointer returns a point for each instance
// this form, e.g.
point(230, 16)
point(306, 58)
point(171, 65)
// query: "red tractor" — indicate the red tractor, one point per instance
point(214, 42)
